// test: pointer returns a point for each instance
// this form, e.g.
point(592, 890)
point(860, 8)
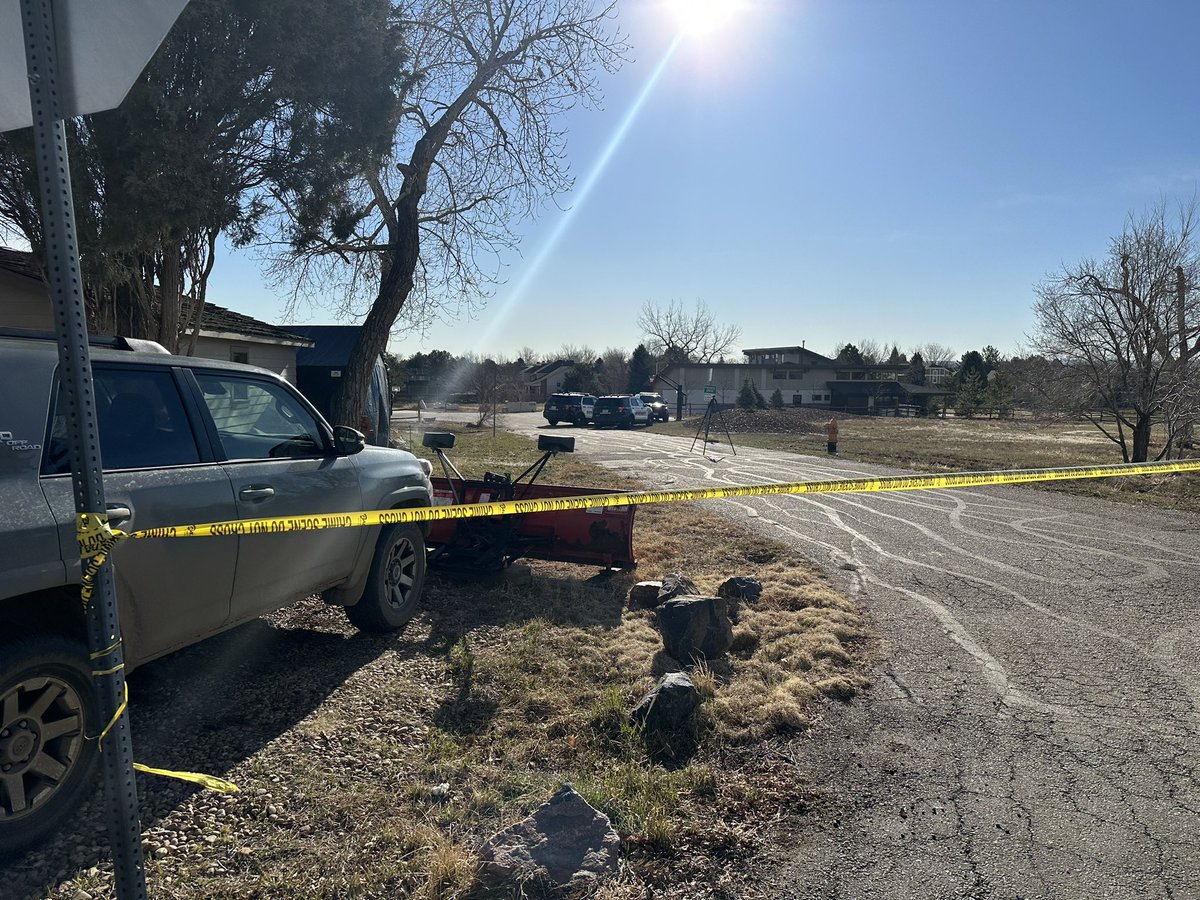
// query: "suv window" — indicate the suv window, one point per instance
point(141, 419)
point(259, 419)
point(565, 399)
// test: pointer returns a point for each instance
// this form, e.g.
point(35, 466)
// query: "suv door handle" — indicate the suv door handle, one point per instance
point(118, 513)
point(256, 493)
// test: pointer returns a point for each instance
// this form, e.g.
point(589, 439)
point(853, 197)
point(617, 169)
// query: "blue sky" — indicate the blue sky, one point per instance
point(830, 170)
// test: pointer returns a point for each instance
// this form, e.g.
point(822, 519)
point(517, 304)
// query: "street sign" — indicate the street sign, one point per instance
point(103, 45)
point(59, 59)
point(710, 389)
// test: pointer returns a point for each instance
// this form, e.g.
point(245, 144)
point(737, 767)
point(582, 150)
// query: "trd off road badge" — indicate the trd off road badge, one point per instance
point(17, 444)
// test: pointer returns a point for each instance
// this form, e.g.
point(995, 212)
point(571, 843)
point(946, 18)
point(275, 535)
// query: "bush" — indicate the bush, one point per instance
point(777, 399)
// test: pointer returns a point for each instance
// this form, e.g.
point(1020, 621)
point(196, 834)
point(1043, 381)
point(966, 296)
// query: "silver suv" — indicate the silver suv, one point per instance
point(182, 441)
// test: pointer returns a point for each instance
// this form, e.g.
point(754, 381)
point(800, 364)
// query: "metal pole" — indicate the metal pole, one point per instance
point(75, 372)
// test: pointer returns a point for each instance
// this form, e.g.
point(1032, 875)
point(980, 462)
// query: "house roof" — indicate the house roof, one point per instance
point(332, 344)
point(20, 263)
point(802, 351)
point(219, 322)
point(215, 321)
point(536, 373)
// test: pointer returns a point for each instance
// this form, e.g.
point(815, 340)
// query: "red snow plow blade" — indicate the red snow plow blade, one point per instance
point(590, 537)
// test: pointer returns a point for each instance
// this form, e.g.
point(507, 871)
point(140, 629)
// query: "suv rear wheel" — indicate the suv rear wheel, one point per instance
point(395, 582)
point(47, 707)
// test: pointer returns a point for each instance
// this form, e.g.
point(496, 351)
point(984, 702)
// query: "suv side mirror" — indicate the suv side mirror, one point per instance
point(347, 441)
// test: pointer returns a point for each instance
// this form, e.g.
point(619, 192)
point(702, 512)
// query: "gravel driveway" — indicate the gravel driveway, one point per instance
point(1032, 731)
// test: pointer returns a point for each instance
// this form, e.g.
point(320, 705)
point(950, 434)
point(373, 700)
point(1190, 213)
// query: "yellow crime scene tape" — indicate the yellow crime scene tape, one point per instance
point(97, 539)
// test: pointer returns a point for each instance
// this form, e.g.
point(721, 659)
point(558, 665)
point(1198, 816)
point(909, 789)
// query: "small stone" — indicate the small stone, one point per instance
point(81, 894)
point(644, 594)
point(440, 792)
point(162, 852)
point(741, 587)
point(676, 585)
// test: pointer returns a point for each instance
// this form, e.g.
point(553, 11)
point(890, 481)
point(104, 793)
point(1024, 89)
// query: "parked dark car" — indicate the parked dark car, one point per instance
point(182, 441)
point(568, 407)
point(659, 411)
point(621, 411)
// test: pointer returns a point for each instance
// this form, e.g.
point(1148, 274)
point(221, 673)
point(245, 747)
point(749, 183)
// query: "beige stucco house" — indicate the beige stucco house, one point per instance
point(224, 334)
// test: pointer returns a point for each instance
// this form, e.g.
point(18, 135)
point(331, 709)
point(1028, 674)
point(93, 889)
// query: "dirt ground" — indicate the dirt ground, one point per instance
point(374, 766)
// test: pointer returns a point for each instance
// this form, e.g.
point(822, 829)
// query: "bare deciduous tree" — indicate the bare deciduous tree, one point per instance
point(872, 351)
point(1127, 329)
point(693, 335)
point(478, 144)
point(934, 354)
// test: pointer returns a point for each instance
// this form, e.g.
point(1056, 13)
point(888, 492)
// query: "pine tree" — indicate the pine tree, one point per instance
point(916, 369)
point(970, 394)
point(745, 397)
point(999, 395)
point(641, 369)
point(760, 402)
point(777, 399)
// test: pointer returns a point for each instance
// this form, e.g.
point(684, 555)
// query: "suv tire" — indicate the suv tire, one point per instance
point(395, 582)
point(552, 422)
point(54, 772)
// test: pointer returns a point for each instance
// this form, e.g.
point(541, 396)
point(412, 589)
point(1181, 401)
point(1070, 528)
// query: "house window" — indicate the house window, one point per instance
point(238, 355)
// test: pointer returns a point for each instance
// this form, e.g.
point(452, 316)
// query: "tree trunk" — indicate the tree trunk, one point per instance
point(169, 279)
point(1141, 438)
point(394, 289)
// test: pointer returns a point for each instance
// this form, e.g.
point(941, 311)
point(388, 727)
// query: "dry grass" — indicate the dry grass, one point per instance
point(497, 693)
point(964, 445)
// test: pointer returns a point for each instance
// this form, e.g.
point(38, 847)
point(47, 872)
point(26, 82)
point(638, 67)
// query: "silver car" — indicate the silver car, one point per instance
point(182, 441)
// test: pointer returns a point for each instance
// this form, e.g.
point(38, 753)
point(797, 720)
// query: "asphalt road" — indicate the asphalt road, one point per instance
point(1033, 728)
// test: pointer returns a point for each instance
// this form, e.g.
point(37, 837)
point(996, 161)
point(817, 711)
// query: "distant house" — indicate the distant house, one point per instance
point(545, 379)
point(935, 375)
point(224, 334)
point(802, 377)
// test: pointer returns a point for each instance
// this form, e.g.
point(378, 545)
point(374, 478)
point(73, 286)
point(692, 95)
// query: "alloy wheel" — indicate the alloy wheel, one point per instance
point(41, 739)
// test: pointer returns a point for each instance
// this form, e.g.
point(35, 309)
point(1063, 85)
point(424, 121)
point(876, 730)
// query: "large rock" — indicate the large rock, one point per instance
point(667, 716)
point(670, 707)
point(564, 843)
point(676, 585)
point(737, 590)
point(695, 627)
point(741, 587)
point(644, 595)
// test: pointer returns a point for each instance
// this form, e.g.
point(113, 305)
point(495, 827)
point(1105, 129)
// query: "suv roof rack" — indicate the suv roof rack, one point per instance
point(96, 340)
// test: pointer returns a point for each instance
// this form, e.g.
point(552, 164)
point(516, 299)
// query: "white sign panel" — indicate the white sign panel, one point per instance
point(103, 46)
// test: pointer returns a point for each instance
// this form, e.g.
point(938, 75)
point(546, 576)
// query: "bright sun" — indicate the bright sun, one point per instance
point(703, 16)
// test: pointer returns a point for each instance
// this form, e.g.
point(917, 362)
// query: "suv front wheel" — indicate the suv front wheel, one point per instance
point(47, 708)
point(395, 582)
